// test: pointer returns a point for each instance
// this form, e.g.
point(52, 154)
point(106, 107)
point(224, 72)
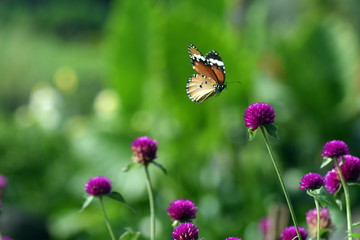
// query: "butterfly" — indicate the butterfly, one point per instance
point(211, 77)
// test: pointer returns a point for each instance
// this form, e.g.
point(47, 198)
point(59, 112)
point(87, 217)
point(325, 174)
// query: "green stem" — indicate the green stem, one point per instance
point(151, 202)
point(318, 219)
point(277, 169)
point(106, 218)
point(347, 197)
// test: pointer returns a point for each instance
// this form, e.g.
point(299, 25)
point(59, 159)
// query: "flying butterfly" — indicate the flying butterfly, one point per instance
point(211, 77)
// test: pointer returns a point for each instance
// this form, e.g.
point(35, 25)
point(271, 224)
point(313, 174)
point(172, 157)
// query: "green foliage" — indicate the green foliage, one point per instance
point(323, 197)
point(87, 202)
point(326, 161)
point(302, 59)
point(271, 129)
point(130, 235)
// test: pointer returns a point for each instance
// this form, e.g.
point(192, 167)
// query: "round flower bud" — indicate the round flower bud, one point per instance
point(182, 210)
point(312, 181)
point(311, 219)
point(144, 150)
point(97, 186)
point(258, 114)
point(186, 231)
point(335, 148)
point(289, 233)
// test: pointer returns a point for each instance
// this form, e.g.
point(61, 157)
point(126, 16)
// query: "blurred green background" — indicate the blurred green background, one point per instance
point(79, 80)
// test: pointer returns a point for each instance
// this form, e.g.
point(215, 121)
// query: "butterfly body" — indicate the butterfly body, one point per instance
point(211, 77)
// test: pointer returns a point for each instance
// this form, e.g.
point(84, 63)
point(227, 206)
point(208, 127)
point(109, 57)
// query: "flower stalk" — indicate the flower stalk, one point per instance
point(277, 169)
point(151, 203)
point(317, 205)
point(106, 217)
point(347, 198)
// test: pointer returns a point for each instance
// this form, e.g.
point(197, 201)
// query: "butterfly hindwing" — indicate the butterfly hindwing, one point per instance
point(200, 87)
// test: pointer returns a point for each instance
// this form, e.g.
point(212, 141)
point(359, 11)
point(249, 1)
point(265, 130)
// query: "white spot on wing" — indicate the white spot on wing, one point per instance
point(216, 62)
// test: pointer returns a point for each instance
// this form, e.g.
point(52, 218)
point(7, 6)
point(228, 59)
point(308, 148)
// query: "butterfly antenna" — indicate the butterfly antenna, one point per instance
point(233, 82)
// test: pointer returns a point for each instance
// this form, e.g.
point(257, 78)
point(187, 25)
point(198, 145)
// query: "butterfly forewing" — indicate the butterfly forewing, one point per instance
point(200, 63)
point(200, 87)
point(214, 60)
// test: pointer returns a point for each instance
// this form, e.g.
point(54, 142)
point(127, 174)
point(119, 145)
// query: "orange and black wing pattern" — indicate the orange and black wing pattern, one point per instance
point(211, 77)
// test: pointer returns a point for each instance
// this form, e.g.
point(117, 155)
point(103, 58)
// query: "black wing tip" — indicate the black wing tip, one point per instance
point(214, 54)
point(191, 45)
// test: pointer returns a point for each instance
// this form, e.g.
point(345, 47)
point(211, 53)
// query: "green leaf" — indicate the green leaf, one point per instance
point(162, 168)
point(326, 161)
point(339, 203)
point(175, 223)
point(130, 166)
point(353, 183)
point(323, 197)
point(271, 129)
point(87, 202)
point(130, 235)
point(116, 196)
point(323, 232)
point(354, 225)
point(252, 134)
point(354, 235)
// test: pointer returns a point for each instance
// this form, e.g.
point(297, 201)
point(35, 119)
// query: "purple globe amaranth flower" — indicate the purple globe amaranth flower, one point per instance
point(182, 210)
point(6, 238)
point(258, 114)
point(332, 181)
point(3, 181)
point(335, 148)
point(144, 150)
point(233, 238)
point(289, 233)
point(312, 181)
point(97, 186)
point(311, 219)
point(264, 225)
point(3, 184)
point(350, 168)
point(186, 231)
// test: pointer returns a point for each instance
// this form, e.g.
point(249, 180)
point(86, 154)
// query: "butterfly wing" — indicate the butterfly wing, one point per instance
point(200, 87)
point(216, 64)
point(200, 63)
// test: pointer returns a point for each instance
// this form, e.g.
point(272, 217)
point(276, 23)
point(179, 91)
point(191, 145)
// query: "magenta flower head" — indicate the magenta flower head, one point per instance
point(182, 210)
point(97, 186)
point(312, 181)
point(350, 168)
point(3, 182)
point(186, 231)
point(311, 219)
point(6, 238)
point(335, 148)
point(332, 181)
point(233, 238)
point(264, 226)
point(258, 114)
point(144, 150)
point(289, 233)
